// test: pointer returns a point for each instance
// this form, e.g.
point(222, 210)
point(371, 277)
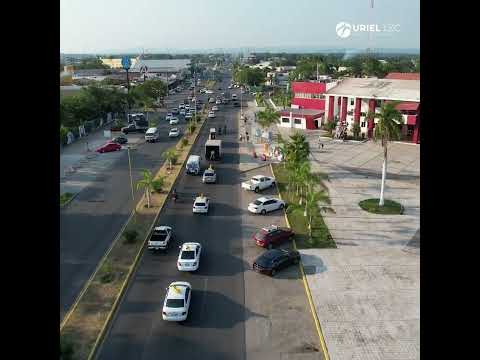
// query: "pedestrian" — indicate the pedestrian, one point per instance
point(240, 137)
point(322, 146)
point(212, 155)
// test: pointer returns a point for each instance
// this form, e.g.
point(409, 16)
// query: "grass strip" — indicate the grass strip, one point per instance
point(65, 198)
point(390, 207)
point(90, 318)
point(321, 237)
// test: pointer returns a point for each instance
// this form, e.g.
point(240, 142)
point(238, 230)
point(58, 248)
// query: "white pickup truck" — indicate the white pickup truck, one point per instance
point(258, 182)
point(160, 238)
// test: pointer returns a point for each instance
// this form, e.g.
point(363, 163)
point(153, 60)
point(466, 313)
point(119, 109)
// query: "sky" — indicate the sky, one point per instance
point(95, 26)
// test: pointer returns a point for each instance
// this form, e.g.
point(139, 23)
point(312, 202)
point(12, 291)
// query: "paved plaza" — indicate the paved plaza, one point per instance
point(367, 291)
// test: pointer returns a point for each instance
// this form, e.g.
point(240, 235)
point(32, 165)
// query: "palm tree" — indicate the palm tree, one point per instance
point(298, 148)
point(147, 184)
point(259, 98)
point(302, 171)
point(267, 118)
point(386, 130)
point(313, 199)
point(171, 156)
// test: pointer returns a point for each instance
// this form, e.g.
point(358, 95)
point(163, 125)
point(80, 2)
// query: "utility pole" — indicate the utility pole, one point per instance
point(131, 178)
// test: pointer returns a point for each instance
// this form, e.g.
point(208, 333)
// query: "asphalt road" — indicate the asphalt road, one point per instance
point(215, 328)
point(90, 223)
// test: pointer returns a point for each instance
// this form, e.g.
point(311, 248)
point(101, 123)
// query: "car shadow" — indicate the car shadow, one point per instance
point(210, 309)
point(312, 264)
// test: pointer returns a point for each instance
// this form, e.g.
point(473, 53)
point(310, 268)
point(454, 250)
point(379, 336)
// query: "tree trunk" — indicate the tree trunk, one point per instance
point(147, 194)
point(384, 176)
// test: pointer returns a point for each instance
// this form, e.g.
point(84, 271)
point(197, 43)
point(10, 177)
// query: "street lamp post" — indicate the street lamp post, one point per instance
point(131, 178)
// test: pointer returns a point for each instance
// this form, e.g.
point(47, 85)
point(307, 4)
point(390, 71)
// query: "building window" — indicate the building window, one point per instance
point(285, 120)
point(352, 101)
point(298, 121)
point(363, 124)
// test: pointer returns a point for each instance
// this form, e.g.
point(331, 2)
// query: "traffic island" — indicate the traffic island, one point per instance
point(321, 237)
point(86, 322)
point(389, 207)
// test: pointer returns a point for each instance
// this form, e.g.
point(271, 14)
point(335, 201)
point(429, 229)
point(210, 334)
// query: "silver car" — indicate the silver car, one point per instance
point(209, 177)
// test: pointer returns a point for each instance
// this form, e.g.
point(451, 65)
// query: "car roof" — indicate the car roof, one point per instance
point(263, 199)
point(176, 290)
point(153, 129)
point(161, 227)
point(190, 245)
point(173, 129)
point(200, 199)
point(270, 228)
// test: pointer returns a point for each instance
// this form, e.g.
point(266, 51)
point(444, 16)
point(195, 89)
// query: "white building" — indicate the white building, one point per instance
point(352, 98)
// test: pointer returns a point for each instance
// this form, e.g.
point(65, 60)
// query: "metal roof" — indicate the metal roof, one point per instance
point(403, 76)
point(166, 65)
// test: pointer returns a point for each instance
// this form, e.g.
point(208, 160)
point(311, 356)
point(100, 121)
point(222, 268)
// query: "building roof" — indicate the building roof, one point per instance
point(308, 87)
point(165, 65)
point(403, 76)
point(384, 89)
point(301, 112)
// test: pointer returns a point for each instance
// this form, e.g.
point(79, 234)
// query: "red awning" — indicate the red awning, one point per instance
point(407, 106)
point(403, 76)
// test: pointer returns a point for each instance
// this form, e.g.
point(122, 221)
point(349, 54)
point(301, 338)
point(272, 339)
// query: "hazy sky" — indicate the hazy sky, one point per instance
point(103, 25)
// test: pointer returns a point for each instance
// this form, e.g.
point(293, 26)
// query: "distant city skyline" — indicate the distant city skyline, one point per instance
point(172, 26)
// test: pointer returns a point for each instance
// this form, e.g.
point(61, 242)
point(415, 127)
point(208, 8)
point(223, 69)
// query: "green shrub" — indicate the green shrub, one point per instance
point(130, 236)
point(107, 274)
point(66, 348)
point(184, 142)
point(158, 184)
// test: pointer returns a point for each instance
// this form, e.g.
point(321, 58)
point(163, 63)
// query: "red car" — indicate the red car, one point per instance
point(108, 147)
point(272, 235)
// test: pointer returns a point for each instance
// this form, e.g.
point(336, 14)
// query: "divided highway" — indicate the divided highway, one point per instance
point(215, 327)
point(89, 224)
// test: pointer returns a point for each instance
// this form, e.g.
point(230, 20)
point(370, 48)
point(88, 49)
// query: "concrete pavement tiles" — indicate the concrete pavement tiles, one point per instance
point(367, 291)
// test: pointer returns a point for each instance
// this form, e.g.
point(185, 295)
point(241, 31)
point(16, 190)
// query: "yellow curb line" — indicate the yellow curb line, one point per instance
point(305, 283)
point(133, 267)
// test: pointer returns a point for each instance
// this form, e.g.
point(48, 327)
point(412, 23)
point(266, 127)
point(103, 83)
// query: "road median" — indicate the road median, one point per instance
point(88, 319)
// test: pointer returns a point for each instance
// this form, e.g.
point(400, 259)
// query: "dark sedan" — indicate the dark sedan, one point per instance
point(120, 140)
point(276, 259)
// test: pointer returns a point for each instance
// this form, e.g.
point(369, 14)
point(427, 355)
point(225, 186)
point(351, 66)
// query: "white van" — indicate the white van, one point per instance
point(151, 135)
point(193, 165)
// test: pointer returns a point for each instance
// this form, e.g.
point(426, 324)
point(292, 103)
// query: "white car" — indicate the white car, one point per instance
point(174, 121)
point(189, 257)
point(218, 102)
point(200, 205)
point(194, 99)
point(177, 301)
point(208, 91)
point(211, 114)
point(258, 182)
point(187, 107)
point(181, 106)
point(169, 116)
point(265, 204)
point(209, 176)
point(214, 108)
point(188, 116)
point(174, 132)
point(160, 238)
point(202, 91)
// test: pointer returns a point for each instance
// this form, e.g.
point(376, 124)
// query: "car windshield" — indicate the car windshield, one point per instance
point(160, 232)
point(260, 235)
point(257, 202)
point(188, 255)
point(209, 173)
point(174, 303)
point(200, 204)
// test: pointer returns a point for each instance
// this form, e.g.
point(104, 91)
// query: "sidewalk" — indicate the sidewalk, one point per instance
point(247, 161)
point(367, 291)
